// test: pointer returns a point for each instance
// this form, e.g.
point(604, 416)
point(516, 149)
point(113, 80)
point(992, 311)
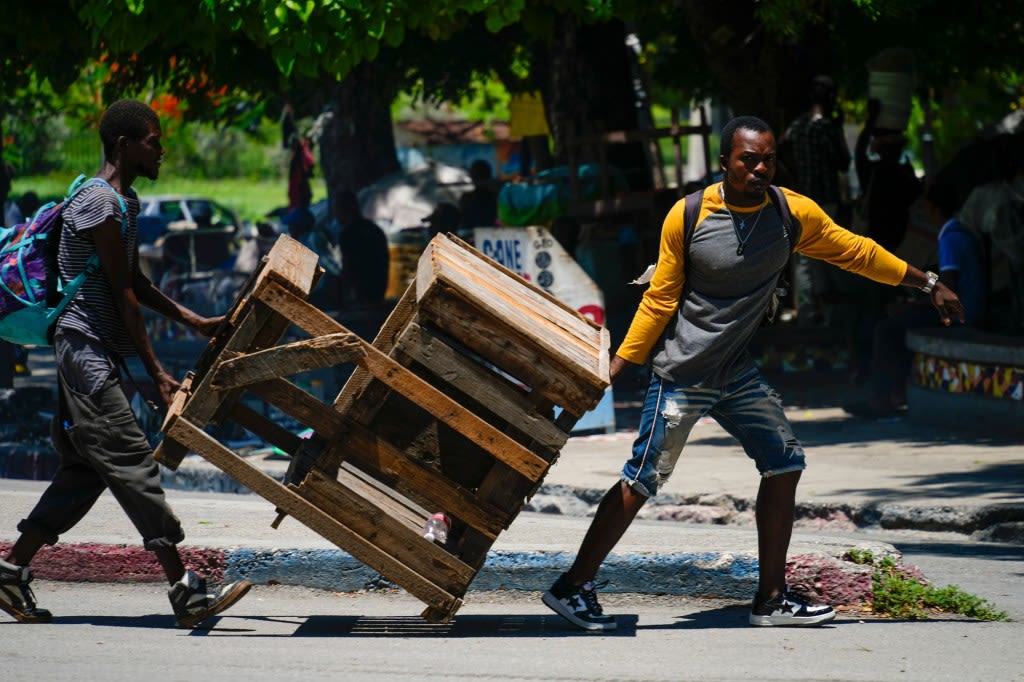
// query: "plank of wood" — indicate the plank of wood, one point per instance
point(400, 315)
point(268, 430)
point(565, 335)
point(302, 406)
point(367, 514)
point(446, 410)
point(515, 354)
point(287, 360)
point(484, 385)
point(425, 485)
point(290, 264)
point(397, 504)
point(467, 250)
point(254, 323)
point(312, 516)
point(299, 311)
point(168, 452)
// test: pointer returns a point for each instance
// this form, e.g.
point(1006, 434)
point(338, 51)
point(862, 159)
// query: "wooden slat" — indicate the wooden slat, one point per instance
point(287, 360)
point(269, 431)
point(425, 485)
point(448, 268)
point(314, 517)
point(255, 323)
point(400, 315)
point(469, 251)
point(367, 513)
point(289, 264)
point(168, 452)
point(446, 410)
point(485, 386)
point(398, 505)
point(305, 408)
point(302, 314)
point(515, 354)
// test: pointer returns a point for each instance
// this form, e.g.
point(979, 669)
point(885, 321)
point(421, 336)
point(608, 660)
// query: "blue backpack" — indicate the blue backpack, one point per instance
point(32, 296)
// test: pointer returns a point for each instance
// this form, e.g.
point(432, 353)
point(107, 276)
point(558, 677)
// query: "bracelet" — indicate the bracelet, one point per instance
point(933, 279)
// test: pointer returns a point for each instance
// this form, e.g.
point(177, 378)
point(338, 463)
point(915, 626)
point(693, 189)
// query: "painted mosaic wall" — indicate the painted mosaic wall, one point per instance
point(963, 376)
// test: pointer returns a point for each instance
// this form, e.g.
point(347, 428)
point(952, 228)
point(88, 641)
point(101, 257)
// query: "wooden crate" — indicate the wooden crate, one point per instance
point(461, 404)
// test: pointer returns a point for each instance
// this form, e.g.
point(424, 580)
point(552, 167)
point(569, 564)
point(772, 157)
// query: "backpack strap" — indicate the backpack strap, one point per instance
point(70, 289)
point(782, 206)
point(691, 211)
point(93, 264)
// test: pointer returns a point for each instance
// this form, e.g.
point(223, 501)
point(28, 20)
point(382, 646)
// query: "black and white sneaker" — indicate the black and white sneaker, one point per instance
point(578, 604)
point(193, 604)
point(16, 597)
point(789, 609)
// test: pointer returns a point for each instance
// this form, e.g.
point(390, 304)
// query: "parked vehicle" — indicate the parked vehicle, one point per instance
point(159, 212)
point(186, 234)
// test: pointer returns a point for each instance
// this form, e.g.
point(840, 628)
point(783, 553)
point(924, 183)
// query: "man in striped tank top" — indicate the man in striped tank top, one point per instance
point(100, 442)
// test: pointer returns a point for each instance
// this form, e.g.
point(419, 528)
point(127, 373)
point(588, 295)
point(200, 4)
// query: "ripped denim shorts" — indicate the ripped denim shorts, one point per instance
point(747, 408)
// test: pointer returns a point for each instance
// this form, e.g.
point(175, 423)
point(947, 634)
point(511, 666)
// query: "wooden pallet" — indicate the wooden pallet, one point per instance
point(461, 404)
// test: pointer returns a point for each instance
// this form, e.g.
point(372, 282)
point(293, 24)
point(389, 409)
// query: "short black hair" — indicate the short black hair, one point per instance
point(822, 89)
point(480, 170)
point(740, 123)
point(942, 196)
point(126, 117)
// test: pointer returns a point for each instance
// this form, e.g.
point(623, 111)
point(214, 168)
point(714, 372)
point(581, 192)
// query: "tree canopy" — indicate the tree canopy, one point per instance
point(756, 56)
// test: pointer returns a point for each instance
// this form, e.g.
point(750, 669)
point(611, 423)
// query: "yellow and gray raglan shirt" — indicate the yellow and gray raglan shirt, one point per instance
point(696, 319)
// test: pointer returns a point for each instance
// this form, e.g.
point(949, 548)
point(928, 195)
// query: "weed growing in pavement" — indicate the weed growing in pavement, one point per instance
point(896, 591)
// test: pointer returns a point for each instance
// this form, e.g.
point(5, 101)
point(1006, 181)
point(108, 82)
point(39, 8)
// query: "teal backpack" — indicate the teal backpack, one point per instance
point(32, 296)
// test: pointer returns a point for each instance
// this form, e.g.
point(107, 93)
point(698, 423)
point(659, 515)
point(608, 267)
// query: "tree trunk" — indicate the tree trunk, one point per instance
point(760, 75)
point(588, 90)
point(357, 147)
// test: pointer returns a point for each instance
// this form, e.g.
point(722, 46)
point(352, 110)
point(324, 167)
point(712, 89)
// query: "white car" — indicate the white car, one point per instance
point(186, 234)
point(163, 213)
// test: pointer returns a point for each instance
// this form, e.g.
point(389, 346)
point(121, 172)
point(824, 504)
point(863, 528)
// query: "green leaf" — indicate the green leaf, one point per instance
point(494, 22)
point(285, 59)
point(394, 35)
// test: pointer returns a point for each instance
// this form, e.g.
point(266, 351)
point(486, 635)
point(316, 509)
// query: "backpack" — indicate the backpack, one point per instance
point(32, 296)
point(778, 199)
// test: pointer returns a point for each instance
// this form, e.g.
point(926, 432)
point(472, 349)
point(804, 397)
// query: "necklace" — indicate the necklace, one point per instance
point(741, 224)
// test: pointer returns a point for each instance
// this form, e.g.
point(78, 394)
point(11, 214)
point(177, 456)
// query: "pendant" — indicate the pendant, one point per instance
point(739, 249)
point(743, 224)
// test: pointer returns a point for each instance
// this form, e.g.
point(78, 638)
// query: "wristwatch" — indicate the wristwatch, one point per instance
point(933, 279)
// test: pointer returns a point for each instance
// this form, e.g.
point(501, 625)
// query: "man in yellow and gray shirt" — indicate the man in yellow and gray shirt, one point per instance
point(694, 324)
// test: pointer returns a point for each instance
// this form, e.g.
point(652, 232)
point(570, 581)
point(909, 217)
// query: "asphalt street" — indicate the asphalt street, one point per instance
point(123, 632)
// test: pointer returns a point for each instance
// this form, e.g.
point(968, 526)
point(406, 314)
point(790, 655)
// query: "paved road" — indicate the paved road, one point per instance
point(123, 633)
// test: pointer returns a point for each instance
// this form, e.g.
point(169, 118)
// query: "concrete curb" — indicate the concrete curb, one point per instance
point(723, 575)
point(990, 522)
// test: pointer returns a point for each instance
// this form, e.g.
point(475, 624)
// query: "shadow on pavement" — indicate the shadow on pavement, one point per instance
point(461, 626)
point(1007, 479)
point(853, 430)
point(724, 617)
point(975, 550)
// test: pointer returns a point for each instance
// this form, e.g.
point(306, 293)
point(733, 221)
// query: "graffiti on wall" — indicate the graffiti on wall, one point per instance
point(963, 376)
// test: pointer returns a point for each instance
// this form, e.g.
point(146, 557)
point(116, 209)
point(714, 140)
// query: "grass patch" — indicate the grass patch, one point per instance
point(896, 591)
point(252, 199)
